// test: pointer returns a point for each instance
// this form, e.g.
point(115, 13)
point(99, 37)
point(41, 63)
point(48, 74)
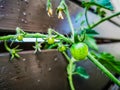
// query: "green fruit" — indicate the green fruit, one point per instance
point(79, 51)
point(61, 48)
point(20, 37)
point(50, 40)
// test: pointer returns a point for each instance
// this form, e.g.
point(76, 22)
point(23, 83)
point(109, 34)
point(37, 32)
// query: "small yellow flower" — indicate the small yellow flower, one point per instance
point(50, 12)
point(60, 16)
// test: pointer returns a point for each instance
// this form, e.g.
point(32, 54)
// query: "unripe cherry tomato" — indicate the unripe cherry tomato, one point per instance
point(61, 48)
point(20, 37)
point(79, 51)
point(50, 40)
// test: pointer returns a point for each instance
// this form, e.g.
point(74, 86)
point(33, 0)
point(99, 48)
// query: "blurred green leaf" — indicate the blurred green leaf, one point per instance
point(105, 3)
point(79, 15)
point(81, 72)
point(91, 32)
point(91, 42)
point(109, 61)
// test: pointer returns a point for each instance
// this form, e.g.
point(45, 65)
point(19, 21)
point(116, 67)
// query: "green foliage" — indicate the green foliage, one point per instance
point(109, 61)
point(78, 17)
point(81, 72)
point(91, 42)
point(91, 33)
point(106, 4)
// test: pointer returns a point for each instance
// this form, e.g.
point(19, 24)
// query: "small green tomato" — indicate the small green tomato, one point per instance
point(50, 40)
point(20, 37)
point(61, 48)
point(79, 51)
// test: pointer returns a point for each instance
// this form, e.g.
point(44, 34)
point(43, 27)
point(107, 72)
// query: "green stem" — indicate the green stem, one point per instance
point(7, 37)
point(103, 69)
point(27, 35)
point(70, 78)
point(62, 36)
point(6, 46)
point(104, 19)
point(69, 70)
point(69, 20)
point(87, 21)
point(66, 56)
point(53, 45)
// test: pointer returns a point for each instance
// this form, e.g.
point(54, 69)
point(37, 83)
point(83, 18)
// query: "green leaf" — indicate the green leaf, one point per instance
point(81, 72)
point(91, 32)
point(91, 42)
point(109, 61)
point(105, 3)
point(79, 15)
point(82, 22)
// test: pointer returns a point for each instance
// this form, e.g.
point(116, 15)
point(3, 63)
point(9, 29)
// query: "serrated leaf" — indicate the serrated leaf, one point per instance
point(91, 42)
point(81, 72)
point(109, 61)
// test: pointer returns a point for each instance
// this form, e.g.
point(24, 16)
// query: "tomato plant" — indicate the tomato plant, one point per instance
point(77, 44)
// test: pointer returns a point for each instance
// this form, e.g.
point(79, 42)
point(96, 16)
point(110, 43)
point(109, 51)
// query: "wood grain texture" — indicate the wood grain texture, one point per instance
point(45, 71)
point(32, 16)
point(42, 71)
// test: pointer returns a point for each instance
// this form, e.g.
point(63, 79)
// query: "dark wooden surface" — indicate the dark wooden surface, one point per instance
point(42, 71)
point(48, 68)
point(45, 71)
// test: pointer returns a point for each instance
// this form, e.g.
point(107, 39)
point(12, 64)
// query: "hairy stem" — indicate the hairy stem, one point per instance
point(103, 69)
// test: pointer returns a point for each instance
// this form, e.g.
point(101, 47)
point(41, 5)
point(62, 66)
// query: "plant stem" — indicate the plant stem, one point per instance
point(66, 56)
point(69, 70)
point(69, 20)
point(103, 69)
point(6, 46)
point(62, 36)
point(104, 19)
point(70, 75)
point(27, 35)
point(87, 21)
